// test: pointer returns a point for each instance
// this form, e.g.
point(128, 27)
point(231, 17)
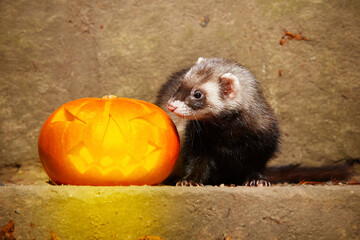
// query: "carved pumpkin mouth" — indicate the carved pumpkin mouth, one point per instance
point(118, 137)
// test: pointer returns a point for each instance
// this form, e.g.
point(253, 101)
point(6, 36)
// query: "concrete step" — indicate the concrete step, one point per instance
point(171, 213)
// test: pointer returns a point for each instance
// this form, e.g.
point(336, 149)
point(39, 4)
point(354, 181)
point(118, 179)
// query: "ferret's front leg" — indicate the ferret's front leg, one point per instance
point(197, 171)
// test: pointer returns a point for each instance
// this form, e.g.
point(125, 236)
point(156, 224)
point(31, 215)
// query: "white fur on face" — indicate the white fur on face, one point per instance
point(213, 96)
point(181, 109)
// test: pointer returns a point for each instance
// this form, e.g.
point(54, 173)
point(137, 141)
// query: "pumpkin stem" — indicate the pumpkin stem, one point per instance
point(109, 97)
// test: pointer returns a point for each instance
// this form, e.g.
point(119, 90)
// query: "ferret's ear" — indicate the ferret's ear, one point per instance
point(200, 59)
point(229, 85)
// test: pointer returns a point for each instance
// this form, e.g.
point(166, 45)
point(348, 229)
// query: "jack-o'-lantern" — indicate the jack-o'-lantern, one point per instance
point(108, 141)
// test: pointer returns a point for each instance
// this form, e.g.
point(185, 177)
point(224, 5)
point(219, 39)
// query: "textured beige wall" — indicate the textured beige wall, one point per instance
point(52, 52)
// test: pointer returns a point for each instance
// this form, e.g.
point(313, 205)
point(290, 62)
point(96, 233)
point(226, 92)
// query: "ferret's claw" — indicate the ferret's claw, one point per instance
point(189, 183)
point(257, 183)
point(263, 183)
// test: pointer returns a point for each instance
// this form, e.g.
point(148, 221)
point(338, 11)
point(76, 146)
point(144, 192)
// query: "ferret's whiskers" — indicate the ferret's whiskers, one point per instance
point(216, 123)
point(197, 126)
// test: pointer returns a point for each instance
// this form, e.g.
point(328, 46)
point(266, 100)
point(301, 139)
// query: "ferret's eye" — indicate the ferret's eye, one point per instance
point(197, 95)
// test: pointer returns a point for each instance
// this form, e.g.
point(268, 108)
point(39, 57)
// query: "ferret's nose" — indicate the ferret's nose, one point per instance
point(170, 106)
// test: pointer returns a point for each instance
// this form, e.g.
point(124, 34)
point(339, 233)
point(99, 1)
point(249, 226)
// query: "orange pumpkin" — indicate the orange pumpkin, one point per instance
point(108, 141)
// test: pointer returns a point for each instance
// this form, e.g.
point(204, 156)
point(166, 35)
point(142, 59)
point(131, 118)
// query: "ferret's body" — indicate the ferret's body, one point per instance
point(227, 130)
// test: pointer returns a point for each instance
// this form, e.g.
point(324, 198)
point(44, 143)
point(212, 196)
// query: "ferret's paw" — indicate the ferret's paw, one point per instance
point(257, 183)
point(188, 183)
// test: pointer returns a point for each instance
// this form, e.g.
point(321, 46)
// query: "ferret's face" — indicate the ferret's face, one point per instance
point(207, 89)
point(199, 96)
point(192, 102)
point(211, 87)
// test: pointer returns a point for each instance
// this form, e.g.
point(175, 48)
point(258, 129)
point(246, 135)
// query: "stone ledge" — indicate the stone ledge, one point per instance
point(83, 212)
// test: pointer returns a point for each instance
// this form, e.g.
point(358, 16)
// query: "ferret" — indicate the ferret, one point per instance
point(228, 132)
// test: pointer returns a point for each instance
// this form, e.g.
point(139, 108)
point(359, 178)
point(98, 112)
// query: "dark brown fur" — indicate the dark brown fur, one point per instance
point(231, 146)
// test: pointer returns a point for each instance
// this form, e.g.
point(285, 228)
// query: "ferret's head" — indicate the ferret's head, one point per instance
point(210, 87)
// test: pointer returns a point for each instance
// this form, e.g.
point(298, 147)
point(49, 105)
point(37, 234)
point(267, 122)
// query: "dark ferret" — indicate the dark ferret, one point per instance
point(228, 132)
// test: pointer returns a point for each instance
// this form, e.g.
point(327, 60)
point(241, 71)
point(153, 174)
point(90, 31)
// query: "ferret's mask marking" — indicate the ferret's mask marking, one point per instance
point(186, 102)
point(206, 99)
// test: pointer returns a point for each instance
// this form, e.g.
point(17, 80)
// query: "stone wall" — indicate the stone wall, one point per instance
point(52, 52)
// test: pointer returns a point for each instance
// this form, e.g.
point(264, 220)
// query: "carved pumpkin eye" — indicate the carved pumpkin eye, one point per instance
point(109, 141)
